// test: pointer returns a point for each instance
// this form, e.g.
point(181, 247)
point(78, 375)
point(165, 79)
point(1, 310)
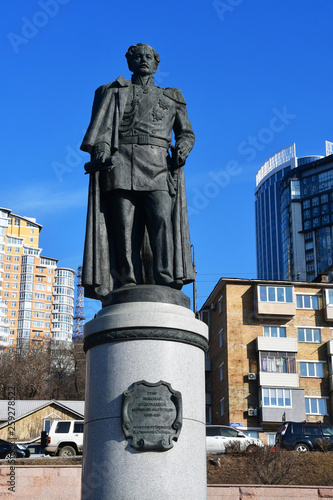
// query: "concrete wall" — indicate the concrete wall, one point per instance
point(40, 481)
point(254, 492)
point(64, 482)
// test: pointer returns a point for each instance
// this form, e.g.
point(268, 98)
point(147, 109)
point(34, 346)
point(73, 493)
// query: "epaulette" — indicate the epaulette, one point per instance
point(175, 95)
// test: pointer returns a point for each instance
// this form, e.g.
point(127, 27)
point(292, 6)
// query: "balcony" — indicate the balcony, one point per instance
point(269, 379)
point(276, 344)
point(276, 309)
point(279, 414)
point(275, 301)
point(329, 312)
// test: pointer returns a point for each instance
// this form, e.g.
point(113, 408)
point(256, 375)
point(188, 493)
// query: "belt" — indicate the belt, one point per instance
point(145, 140)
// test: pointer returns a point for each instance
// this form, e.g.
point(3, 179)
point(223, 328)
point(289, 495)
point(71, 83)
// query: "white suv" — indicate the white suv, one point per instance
point(220, 437)
point(65, 438)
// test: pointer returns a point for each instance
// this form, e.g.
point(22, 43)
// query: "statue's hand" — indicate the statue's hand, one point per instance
point(101, 156)
point(178, 157)
point(101, 151)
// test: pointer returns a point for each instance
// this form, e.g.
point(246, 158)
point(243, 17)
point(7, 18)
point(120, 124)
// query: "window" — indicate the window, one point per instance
point(62, 427)
point(278, 362)
point(276, 397)
point(78, 427)
point(329, 296)
point(38, 324)
point(221, 371)
point(220, 336)
point(274, 331)
point(220, 304)
point(307, 302)
point(327, 430)
point(315, 406)
point(309, 335)
point(222, 407)
point(309, 369)
point(275, 294)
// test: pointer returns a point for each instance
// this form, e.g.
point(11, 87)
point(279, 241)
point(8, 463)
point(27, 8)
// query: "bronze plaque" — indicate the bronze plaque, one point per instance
point(152, 415)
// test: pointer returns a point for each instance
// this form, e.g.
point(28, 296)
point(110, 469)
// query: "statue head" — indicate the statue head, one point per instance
point(142, 59)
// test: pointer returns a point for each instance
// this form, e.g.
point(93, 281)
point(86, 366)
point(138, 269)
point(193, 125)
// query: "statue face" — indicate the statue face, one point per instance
point(143, 62)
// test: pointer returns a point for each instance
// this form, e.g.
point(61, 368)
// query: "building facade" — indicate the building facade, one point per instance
point(36, 297)
point(270, 354)
point(307, 220)
point(274, 250)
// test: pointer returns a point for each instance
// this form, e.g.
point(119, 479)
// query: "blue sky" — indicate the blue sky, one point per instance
point(256, 75)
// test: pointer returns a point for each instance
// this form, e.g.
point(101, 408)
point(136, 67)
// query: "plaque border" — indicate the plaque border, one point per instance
point(141, 444)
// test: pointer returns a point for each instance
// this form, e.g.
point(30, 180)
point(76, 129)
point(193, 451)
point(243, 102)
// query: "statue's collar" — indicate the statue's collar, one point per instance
point(142, 80)
point(123, 82)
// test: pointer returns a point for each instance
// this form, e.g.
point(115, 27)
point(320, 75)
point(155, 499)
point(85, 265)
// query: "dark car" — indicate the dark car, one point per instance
point(305, 436)
point(12, 450)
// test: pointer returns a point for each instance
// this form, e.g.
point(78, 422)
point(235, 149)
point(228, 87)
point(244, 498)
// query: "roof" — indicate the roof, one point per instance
point(26, 407)
point(240, 281)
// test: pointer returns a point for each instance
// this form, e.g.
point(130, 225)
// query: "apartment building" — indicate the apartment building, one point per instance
point(36, 296)
point(270, 354)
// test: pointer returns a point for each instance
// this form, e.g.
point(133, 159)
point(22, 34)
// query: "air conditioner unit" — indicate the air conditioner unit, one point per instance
point(252, 412)
point(252, 376)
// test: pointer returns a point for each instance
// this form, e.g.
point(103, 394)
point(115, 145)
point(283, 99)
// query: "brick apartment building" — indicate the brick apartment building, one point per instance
point(270, 354)
point(36, 296)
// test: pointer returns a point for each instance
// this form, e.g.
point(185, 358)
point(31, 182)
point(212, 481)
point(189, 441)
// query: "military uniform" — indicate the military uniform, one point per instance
point(133, 122)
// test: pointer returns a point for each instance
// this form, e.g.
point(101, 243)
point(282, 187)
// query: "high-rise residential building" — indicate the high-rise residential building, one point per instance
point(36, 296)
point(270, 355)
point(283, 239)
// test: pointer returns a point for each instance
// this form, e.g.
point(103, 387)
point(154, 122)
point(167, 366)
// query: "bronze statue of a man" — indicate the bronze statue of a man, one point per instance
point(137, 226)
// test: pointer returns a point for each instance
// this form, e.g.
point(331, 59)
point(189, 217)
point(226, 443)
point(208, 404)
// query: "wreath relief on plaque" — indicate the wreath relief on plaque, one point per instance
point(152, 415)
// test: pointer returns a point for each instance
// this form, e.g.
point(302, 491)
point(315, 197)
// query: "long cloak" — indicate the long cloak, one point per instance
point(98, 274)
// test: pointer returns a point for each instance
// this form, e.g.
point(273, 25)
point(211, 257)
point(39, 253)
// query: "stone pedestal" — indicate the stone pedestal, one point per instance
point(146, 333)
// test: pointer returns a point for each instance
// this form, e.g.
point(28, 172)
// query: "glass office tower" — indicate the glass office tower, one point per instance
point(274, 234)
point(307, 219)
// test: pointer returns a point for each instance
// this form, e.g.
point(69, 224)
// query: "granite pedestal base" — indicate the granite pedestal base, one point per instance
point(128, 342)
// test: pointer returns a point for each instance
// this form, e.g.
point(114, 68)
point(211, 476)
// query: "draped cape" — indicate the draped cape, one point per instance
point(99, 275)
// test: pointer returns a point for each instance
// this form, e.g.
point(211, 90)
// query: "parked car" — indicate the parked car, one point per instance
point(305, 436)
point(65, 438)
point(12, 450)
point(220, 437)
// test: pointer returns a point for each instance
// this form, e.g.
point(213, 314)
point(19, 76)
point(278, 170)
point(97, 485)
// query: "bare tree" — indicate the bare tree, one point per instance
point(54, 373)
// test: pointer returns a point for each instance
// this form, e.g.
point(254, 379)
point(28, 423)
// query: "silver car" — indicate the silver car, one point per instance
point(220, 437)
